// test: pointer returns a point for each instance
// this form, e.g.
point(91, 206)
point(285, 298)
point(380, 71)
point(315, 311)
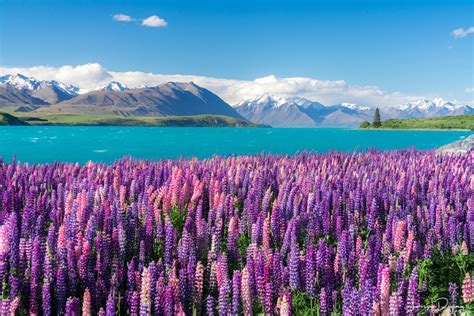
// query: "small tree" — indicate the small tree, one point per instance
point(364, 124)
point(376, 123)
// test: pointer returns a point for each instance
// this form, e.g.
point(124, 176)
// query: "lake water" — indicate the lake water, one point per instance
point(80, 144)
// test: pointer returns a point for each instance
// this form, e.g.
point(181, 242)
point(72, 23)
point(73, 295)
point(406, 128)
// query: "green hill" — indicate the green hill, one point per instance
point(33, 118)
point(8, 119)
point(465, 122)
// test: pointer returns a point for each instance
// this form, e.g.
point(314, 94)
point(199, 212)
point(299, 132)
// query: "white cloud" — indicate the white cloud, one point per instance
point(90, 76)
point(154, 21)
point(460, 33)
point(87, 76)
point(469, 90)
point(122, 18)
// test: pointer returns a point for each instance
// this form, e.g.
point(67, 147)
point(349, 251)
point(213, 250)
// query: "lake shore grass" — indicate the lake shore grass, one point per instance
point(33, 118)
point(448, 123)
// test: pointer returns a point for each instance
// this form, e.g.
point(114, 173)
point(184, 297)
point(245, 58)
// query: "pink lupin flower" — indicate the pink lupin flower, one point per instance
point(285, 304)
point(4, 246)
point(266, 236)
point(465, 250)
point(408, 246)
point(399, 239)
point(86, 303)
point(385, 290)
point(246, 297)
point(467, 289)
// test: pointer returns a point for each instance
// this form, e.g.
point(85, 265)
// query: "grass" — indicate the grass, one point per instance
point(459, 122)
point(33, 118)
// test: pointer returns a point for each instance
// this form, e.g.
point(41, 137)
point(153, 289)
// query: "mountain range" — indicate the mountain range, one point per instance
point(299, 112)
point(114, 98)
point(24, 94)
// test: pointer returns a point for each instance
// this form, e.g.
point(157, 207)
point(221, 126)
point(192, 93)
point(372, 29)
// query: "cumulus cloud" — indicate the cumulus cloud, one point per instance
point(460, 33)
point(154, 21)
point(469, 90)
point(87, 76)
point(90, 76)
point(122, 18)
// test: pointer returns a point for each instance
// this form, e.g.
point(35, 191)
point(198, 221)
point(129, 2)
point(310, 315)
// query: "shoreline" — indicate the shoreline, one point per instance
point(416, 129)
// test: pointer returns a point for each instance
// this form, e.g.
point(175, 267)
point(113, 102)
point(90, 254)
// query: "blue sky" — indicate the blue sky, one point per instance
point(404, 46)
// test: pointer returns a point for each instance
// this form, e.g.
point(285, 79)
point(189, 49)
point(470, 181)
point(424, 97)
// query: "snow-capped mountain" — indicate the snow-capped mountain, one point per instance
point(22, 82)
point(298, 112)
point(112, 86)
point(355, 107)
point(167, 99)
point(431, 108)
point(48, 91)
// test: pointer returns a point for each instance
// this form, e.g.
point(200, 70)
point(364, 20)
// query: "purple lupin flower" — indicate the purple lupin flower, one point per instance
point(35, 276)
point(413, 296)
point(236, 286)
point(73, 306)
point(169, 300)
point(110, 306)
point(394, 304)
point(102, 312)
point(209, 306)
point(294, 265)
point(46, 299)
point(135, 304)
point(453, 296)
point(160, 295)
point(61, 290)
point(323, 302)
point(268, 302)
point(310, 273)
point(223, 304)
point(5, 307)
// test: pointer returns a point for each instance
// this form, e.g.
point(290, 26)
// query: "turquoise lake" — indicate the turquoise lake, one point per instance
point(81, 144)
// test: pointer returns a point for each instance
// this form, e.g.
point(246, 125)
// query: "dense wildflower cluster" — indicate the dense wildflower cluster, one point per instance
point(371, 233)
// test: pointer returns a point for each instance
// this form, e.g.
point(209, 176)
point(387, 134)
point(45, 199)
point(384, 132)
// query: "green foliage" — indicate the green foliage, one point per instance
point(243, 244)
point(377, 122)
point(364, 124)
point(158, 248)
point(441, 269)
point(178, 219)
point(465, 122)
point(302, 305)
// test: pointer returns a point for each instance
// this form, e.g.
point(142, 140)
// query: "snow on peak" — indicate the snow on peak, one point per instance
point(21, 82)
point(426, 104)
point(354, 106)
point(113, 86)
point(265, 99)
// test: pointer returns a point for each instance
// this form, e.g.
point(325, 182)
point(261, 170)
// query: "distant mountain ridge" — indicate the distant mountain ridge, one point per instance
point(113, 86)
point(299, 112)
point(49, 92)
point(25, 94)
point(168, 99)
